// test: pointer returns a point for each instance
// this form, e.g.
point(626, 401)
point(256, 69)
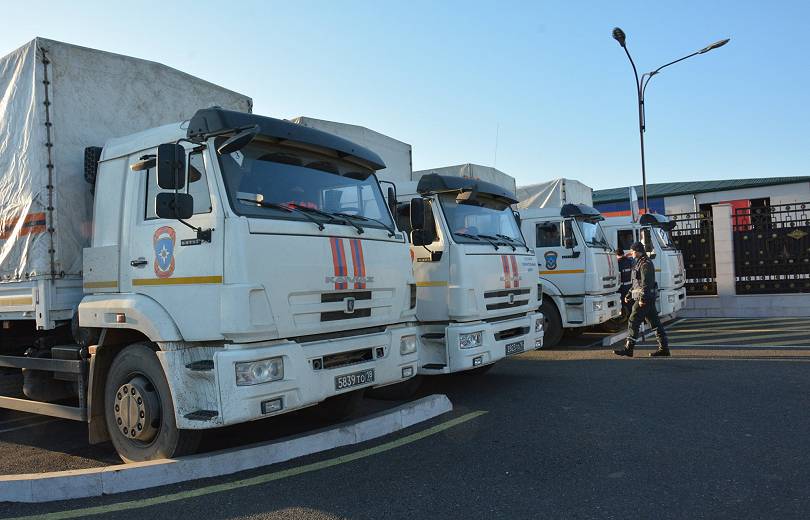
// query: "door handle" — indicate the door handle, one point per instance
point(140, 262)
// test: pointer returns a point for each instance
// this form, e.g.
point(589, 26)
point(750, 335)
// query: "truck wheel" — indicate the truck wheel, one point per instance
point(339, 407)
point(552, 324)
point(397, 392)
point(138, 409)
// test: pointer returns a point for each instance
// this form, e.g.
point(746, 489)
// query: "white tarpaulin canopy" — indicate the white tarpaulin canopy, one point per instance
point(55, 100)
point(554, 194)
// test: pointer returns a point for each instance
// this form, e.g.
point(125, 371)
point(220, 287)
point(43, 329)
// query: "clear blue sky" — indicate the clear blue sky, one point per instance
point(546, 77)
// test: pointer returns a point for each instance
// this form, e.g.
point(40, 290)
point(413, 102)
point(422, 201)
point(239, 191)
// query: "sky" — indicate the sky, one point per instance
point(539, 89)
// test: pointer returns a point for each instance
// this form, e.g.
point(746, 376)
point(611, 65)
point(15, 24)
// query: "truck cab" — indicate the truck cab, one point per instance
point(577, 269)
point(240, 267)
point(653, 230)
point(475, 276)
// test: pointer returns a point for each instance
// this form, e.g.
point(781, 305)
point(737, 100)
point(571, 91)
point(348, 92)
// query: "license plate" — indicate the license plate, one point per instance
point(354, 379)
point(514, 348)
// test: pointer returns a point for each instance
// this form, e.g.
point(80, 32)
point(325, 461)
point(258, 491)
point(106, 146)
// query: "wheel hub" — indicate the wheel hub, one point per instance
point(137, 409)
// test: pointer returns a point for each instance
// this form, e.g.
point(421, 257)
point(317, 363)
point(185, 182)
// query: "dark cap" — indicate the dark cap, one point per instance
point(619, 252)
point(638, 247)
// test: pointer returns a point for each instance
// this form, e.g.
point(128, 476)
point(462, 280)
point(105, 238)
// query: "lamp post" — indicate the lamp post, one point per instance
point(641, 87)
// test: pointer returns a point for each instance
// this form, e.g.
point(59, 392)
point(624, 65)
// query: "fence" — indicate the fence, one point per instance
point(772, 249)
point(694, 236)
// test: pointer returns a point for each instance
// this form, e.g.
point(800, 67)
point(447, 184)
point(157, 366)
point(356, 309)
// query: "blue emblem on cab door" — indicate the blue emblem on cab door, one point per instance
point(551, 260)
point(163, 242)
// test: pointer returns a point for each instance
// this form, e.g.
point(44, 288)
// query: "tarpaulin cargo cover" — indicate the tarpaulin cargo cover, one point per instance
point(554, 194)
point(55, 100)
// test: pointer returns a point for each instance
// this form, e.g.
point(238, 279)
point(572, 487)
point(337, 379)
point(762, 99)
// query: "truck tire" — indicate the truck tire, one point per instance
point(339, 407)
point(397, 392)
point(552, 324)
point(138, 409)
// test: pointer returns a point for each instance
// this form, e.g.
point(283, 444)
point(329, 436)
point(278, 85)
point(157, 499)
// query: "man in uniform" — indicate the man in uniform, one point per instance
point(625, 280)
point(643, 295)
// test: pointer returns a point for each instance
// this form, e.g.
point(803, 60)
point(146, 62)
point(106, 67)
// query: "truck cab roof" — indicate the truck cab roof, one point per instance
point(435, 183)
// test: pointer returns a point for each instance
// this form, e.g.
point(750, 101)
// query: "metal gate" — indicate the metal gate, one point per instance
point(694, 236)
point(772, 249)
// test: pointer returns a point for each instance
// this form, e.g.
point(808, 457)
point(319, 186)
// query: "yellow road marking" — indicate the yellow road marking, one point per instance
point(112, 284)
point(431, 284)
point(183, 280)
point(564, 271)
point(13, 302)
point(254, 481)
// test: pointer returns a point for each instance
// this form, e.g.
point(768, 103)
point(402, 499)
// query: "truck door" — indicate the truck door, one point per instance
point(165, 260)
point(559, 266)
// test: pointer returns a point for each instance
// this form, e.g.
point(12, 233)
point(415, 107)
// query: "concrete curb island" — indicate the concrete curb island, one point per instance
point(108, 480)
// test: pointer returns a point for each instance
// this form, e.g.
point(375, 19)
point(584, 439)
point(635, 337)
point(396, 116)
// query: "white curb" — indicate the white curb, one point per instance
point(63, 485)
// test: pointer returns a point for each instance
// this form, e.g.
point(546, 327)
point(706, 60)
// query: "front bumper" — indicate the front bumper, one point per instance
point(601, 308)
point(495, 339)
point(671, 301)
point(307, 380)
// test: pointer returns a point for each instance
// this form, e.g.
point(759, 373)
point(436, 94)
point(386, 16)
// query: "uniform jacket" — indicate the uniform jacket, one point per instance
point(643, 280)
point(625, 270)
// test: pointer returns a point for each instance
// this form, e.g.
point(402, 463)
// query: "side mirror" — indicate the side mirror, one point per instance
point(568, 233)
point(392, 200)
point(238, 141)
point(421, 237)
point(646, 237)
point(568, 242)
point(174, 205)
point(418, 214)
point(171, 166)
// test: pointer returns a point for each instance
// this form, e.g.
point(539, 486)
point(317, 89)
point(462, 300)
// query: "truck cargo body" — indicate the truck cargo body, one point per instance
point(653, 232)
point(59, 99)
point(476, 298)
point(260, 301)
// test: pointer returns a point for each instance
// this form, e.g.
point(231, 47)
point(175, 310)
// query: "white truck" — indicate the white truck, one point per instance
point(475, 276)
point(234, 267)
point(652, 230)
point(577, 268)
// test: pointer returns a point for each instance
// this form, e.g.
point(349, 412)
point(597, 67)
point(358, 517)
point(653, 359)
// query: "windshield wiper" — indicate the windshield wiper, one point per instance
point(467, 235)
point(511, 241)
point(331, 217)
point(282, 207)
point(494, 241)
point(362, 217)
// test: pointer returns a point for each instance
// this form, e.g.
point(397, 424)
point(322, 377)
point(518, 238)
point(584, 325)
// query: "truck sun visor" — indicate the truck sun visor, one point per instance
point(581, 211)
point(657, 220)
point(435, 183)
point(211, 120)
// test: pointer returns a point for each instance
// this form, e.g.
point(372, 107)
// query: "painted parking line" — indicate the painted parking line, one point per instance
point(257, 480)
point(678, 336)
point(28, 425)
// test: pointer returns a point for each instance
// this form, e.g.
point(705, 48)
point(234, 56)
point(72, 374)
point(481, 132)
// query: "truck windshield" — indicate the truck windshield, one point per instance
point(469, 221)
point(265, 181)
point(593, 234)
point(663, 238)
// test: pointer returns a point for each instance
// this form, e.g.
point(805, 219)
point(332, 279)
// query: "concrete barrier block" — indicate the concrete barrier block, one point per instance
point(424, 409)
point(66, 485)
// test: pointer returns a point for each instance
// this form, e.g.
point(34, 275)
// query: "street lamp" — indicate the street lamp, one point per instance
point(641, 87)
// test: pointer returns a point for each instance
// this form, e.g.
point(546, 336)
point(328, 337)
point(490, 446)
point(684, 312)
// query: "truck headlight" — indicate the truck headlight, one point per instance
point(538, 324)
point(471, 339)
point(262, 371)
point(597, 306)
point(407, 345)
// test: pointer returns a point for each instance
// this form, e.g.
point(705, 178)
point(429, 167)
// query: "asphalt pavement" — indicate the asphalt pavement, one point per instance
point(714, 432)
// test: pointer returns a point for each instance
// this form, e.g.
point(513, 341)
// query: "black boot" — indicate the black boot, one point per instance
point(628, 348)
point(663, 344)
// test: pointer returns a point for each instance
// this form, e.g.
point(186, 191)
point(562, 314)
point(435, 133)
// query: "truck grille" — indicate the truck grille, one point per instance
point(344, 359)
point(511, 333)
point(309, 309)
point(508, 294)
point(343, 314)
